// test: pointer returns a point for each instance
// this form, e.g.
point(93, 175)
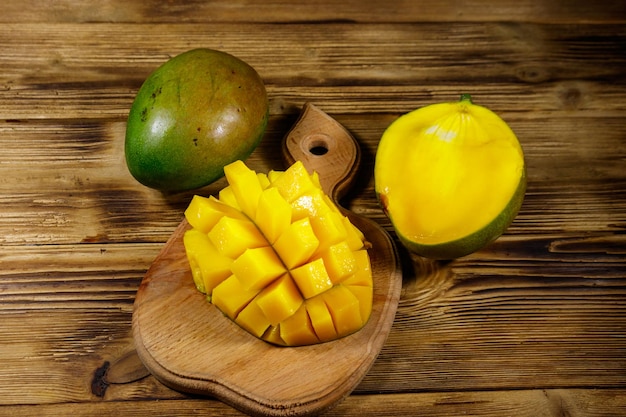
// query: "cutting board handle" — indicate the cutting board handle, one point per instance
point(325, 146)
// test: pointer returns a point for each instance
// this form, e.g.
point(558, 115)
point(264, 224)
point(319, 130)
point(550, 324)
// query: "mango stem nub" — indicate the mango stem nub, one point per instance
point(467, 97)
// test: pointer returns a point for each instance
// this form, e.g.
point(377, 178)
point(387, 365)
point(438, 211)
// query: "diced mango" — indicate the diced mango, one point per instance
point(273, 215)
point(297, 330)
point(344, 308)
point(208, 266)
point(245, 185)
point(257, 267)
point(321, 320)
point(231, 297)
point(329, 229)
point(312, 278)
point(263, 180)
point(354, 237)
point(276, 255)
point(204, 212)
point(280, 299)
point(315, 179)
point(365, 296)
point(339, 261)
point(309, 205)
point(252, 319)
point(232, 237)
point(227, 197)
point(273, 175)
point(194, 254)
point(294, 182)
point(331, 204)
point(272, 335)
point(362, 276)
point(296, 245)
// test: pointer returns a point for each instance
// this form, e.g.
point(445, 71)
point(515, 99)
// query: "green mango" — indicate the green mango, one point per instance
point(195, 114)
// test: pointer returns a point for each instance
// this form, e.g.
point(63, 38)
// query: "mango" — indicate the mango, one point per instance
point(451, 177)
point(196, 113)
point(288, 272)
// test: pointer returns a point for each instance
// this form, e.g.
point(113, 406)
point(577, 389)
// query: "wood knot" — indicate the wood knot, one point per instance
point(532, 74)
point(571, 98)
point(99, 384)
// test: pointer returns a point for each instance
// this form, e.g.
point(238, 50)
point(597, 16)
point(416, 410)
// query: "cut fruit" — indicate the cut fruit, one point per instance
point(272, 253)
point(451, 177)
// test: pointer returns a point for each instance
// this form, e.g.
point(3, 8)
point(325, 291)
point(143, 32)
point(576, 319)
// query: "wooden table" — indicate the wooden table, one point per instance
point(533, 325)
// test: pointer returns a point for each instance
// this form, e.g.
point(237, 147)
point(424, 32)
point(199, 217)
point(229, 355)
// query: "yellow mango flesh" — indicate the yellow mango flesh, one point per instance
point(451, 177)
point(278, 257)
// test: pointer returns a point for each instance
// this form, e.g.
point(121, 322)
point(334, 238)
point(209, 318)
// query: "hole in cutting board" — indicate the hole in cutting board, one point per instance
point(318, 144)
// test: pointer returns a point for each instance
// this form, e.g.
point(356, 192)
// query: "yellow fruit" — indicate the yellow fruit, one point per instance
point(278, 257)
point(451, 177)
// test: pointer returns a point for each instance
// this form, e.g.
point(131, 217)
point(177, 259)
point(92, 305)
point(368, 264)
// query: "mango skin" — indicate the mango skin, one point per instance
point(196, 113)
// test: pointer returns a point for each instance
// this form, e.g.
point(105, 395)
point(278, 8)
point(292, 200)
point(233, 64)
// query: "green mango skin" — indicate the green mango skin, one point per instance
point(196, 113)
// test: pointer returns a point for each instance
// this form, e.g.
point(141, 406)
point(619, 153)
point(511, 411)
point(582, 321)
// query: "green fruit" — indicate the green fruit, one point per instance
point(451, 177)
point(196, 113)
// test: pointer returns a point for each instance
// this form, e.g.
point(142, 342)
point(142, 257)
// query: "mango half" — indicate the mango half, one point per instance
point(451, 177)
point(278, 257)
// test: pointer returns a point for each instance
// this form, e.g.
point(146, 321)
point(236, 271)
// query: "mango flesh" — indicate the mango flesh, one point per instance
point(278, 257)
point(196, 113)
point(451, 177)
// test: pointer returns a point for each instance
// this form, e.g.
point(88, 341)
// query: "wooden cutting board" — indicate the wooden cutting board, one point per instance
point(189, 345)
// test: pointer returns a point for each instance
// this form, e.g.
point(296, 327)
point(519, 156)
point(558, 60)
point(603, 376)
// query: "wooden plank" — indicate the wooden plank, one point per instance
point(314, 10)
point(379, 67)
point(523, 403)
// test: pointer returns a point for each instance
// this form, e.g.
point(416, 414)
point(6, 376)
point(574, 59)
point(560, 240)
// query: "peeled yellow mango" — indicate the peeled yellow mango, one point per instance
point(451, 177)
point(278, 257)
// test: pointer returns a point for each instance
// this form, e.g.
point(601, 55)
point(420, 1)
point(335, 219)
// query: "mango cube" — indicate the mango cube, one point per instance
point(329, 229)
point(231, 297)
point(256, 268)
point(297, 244)
point(344, 308)
point(354, 236)
point(263, 180)
point(310, 204)
point(272, 335)
point(297, 330)
point(203, 213)
point(340, 262)
point(366, 299)
point(321, 320)
point(277, 256)
point(227, 197)
point(280, 299)
point(245, 185)
point(209, 268)
point(232, 237)
point(273, 215)
point(252, 319)
point(312, 278)
point(294, 182)
point(362, 276)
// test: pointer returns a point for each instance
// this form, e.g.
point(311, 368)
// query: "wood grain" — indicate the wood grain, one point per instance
point(533, 325)
point(67, 11)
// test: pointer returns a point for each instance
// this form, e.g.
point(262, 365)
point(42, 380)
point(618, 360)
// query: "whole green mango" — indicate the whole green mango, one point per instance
point(196, 113)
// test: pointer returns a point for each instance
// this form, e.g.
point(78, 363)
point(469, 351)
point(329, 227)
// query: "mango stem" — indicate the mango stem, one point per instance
point(467, 97)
